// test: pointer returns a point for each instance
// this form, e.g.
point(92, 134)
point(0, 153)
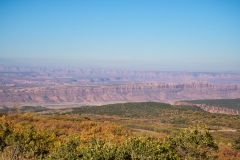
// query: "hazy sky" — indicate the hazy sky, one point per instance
point(201, 35)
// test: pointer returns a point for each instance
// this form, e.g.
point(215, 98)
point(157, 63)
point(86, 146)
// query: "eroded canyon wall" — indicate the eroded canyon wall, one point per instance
point(162, 92)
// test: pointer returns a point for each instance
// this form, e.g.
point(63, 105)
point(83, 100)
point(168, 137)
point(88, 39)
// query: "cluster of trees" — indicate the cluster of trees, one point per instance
point(189, 144)
point(118, 131)
point(21, 139)
point(180, 116)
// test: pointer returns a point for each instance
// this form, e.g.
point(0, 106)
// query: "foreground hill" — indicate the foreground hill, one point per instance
point(175, 116)
point(119, 131)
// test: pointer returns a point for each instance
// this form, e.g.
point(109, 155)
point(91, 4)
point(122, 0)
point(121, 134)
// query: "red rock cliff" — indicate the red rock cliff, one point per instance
point(163, 92)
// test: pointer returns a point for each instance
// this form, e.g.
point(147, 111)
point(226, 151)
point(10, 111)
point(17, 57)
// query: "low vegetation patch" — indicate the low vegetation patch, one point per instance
point(26, 140)
point(120, 131)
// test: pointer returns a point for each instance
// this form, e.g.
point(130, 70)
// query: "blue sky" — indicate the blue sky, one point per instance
point(186, 35)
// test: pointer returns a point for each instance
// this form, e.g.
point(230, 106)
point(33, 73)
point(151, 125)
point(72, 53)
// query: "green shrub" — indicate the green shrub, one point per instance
point(68, 150)
point(237, 143)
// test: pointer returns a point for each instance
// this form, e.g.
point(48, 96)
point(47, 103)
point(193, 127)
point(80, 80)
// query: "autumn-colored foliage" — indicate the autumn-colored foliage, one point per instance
point(51, 137)
point(135, 132)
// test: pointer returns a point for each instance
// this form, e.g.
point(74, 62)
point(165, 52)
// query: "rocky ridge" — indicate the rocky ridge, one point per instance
point(221, 110)
point(211, 108)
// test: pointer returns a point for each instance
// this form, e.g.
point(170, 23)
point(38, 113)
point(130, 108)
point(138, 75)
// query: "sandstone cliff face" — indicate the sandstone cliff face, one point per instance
point(211, 108)
point(221, 110)
point(162, 92)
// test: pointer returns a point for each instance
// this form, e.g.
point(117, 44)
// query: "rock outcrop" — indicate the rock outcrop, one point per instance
point(221, 110)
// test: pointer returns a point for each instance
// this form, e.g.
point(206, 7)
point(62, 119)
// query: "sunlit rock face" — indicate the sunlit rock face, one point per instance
point(164, 92)
point(58, 84)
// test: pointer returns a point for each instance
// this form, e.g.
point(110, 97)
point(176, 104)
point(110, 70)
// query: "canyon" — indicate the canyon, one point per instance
point(52, 85)
point(162, 92)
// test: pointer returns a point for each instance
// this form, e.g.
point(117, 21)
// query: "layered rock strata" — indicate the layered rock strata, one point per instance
point(137, 92)
point(221, 110)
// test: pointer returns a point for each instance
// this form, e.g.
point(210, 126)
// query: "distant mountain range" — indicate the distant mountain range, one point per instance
point(60, 84)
